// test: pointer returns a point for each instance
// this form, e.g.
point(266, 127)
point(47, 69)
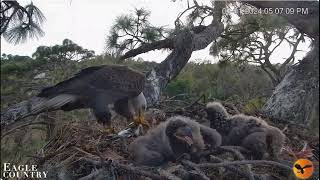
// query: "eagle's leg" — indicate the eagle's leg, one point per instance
point(140, 119)
point(102, 113)
point(104, 120)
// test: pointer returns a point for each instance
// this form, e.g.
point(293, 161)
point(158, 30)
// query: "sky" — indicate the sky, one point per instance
point(87, 23)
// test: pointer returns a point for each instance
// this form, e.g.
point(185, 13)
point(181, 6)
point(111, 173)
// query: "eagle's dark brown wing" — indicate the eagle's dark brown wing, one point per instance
point(118, 78)
point(115, 81)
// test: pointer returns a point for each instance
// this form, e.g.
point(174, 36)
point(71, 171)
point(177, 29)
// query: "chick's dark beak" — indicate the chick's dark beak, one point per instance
point(184, 134)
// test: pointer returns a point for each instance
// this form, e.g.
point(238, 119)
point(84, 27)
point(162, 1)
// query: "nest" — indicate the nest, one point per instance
point(82, 150)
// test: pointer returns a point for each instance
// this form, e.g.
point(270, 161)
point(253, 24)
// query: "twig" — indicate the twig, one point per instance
point(174, 168)
point(240, 157)
point(234, 151)
point(238, 148)
point(285, 128)
point(174, 100)
point(93, 174)
point(168, 175)
point(22, 126)
point(68, 160)
point(195, 102)
point(84, 152)
point(218, 150)
point(178, 95)
point(127, 168)
point(231, 168)
point(137, 171)
point(197, 170)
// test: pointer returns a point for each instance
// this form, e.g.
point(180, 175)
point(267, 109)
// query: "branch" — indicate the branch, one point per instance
point(213, 31)
point(93, 175)
point(208, 35)
point(5, 26)
point(21, 110)
point(271, 67)
point(16, 7)
point(294, 50)
point(281, 40)
point(22, 126)
point(167, 174)
point(273, 79)
point(126, 168)
point(260, 43)
point(7, 8)
point(166, 43)
point(198, 171)
point(176, 22)
point(234, 169)
point(133, 36)
point(262, 65)
point(240, 157)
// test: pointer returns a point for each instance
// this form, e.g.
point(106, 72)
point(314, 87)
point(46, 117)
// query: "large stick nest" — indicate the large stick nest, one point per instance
point(83, 150)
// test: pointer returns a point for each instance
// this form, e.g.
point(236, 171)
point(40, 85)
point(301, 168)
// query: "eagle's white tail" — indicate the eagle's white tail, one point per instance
point(54, 103)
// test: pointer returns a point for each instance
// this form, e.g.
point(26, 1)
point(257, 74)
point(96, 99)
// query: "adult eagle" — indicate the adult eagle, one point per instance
point(97, 87)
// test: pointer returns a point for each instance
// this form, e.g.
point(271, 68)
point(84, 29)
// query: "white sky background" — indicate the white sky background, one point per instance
point(87, 23)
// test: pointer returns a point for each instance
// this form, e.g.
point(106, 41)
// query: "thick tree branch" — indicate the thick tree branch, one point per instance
point(162, 44)
point(203, 39)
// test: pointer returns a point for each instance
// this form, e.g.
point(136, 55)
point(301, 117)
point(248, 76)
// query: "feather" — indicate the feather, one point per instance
point(121, 79)
point(53, 103)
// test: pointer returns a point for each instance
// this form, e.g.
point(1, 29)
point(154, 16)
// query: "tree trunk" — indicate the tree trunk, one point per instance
point(159, 77)
point(296, 98)
point(184, 44)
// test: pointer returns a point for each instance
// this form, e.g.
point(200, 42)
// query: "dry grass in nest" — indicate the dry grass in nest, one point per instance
point(78, 140)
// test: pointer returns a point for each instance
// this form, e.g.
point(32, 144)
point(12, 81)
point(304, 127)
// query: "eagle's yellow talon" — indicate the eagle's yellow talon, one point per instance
point(109, 130)
point(140, 120)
